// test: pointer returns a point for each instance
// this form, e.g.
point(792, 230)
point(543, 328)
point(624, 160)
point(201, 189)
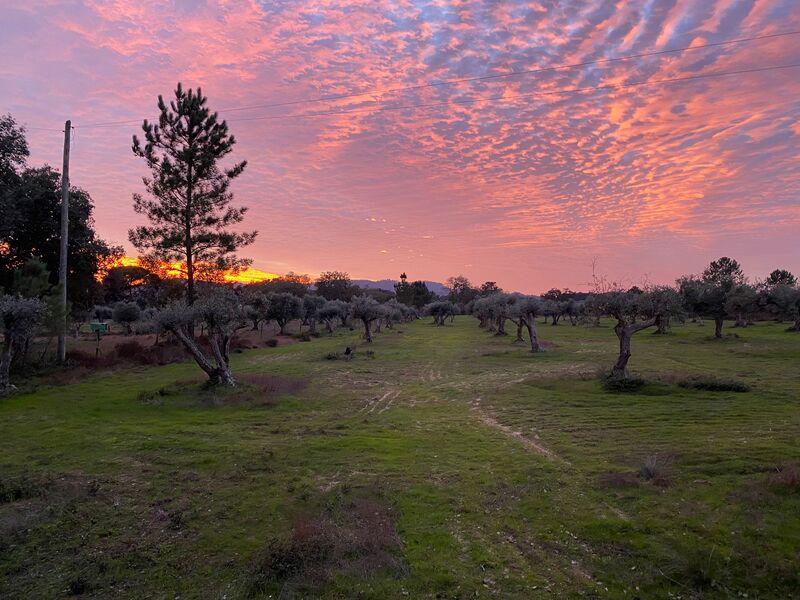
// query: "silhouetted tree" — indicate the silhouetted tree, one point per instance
point(781, 277)
point(19, 318)
point(30, 226)
point(283, 308)
point(366, 310)
point(336, 285)
point(189, 192)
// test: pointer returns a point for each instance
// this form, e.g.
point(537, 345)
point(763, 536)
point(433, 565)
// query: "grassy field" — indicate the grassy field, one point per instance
point(447, 464)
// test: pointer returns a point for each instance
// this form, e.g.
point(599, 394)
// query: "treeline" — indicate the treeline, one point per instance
point(721, 292)
point(191, 240)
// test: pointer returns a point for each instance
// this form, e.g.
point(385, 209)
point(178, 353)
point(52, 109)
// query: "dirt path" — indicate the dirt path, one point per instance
point(529, 443)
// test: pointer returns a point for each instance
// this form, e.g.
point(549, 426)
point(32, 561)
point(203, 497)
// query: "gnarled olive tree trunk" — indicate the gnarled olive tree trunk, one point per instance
point(367, 332)
point(219, 374)
point(625, 330)
point(533, 334)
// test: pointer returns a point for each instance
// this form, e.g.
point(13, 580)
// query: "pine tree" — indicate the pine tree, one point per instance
point(189, 192)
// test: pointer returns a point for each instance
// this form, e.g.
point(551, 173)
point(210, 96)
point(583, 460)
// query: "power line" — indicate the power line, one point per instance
point(480, 78)
point(523, 95)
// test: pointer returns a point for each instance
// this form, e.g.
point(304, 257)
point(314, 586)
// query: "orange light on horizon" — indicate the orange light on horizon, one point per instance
point(248, 275)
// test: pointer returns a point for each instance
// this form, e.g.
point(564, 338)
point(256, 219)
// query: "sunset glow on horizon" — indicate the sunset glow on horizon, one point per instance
point(650, 167)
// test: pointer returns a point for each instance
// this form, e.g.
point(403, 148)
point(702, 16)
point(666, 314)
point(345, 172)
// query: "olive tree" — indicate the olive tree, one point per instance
point(440, 310)
point(528, 308)
point(635, 312)
point(222, 315)
point(312, 304)
point(19, 319)
point(283, 308)
point(367, 310)
point(742, 302)
point(256, 307)
point(784, 302)
point(332, 311)
point(126, 313)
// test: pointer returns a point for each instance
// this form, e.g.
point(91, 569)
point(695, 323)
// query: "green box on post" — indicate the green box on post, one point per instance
point(99, 327)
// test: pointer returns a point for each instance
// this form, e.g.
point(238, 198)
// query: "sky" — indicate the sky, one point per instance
point(527, 176)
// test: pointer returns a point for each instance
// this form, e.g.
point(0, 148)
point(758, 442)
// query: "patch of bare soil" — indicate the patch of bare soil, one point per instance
point(24, 499)
point(355, 537)
point(531, 444)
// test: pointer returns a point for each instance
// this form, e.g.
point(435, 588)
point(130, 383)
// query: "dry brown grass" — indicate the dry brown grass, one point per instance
point(353, 537)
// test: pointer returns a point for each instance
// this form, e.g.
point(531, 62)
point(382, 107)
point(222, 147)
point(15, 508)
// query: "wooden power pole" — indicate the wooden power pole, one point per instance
point(62, 262)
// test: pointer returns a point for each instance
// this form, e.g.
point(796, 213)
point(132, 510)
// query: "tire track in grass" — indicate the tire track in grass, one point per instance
point(529, 443)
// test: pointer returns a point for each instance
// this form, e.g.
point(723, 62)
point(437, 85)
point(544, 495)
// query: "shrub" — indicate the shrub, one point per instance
point(271, 343)
point(332, 356)
point(786, 476)
point(131, 350)
point(304, 337)
point(714, 384)
point(622, 385)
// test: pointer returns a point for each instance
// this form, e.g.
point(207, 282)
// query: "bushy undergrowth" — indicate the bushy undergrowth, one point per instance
point(713, 384)
point(623, 385)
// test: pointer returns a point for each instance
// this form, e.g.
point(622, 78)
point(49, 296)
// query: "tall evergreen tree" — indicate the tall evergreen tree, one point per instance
point(189, 192)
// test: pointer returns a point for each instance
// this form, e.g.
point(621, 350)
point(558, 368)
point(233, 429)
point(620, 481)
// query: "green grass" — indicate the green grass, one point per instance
point(504, 474)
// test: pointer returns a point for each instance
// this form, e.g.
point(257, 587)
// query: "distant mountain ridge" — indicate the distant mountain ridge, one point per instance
point(388, 285)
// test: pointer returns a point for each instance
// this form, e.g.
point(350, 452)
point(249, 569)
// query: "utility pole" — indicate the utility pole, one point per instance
point(62, 262)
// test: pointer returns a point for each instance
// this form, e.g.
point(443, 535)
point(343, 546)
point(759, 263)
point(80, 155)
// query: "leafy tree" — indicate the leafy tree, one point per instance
point(120, 283)
point(189, 203)
point(635, 312)
point(222, 315)
point(784, 302)
point(291, 283)
point(724, 272)
point(336, 285)
point(102, 313)
point(312, 304)
point(742, 303)
point(488, 288)
point(440, 310)
point(19, 318)
point(284, 308)
point(32, 280)
point(461, 290)
point(781, 277)
point(256, 306)
point(381, 296)
point(366, 310)
point(126, 313)
point(334, 310)
point(30, 226)
point(414, 294)
point(13, 152)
